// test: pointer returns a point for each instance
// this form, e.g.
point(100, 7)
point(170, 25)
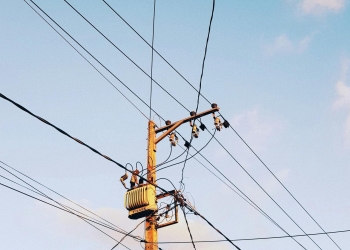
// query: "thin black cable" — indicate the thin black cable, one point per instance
point(123, 53)
point(252, 202)
point(210, 224)
point(197, 152)
point(184, 151)
point(62, 196)
point(283, 185)
point(253, 239)
point(77, 140)
point(219, 113)
point(150, 96)
point(90, 54)
point(205, 55)
point(86, 219)
point(168, 181)
point(188, 227)
point(134, 230)
point(264, 190)
point(109, 71)
point(87, 60)
point(37, 191)
point(165, 161)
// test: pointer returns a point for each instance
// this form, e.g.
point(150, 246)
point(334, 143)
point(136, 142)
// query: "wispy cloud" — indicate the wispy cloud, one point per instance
point(321, 6)
point(343, 100)
point(284, 45)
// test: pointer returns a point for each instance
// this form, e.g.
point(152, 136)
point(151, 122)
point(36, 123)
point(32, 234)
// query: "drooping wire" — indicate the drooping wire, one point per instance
point(199, 93)
point(93, 56)
point(254, 239)
point(124, 54)
point(205, 55)
point(150, 96)
point(109, 71)
point(187, 150)
point(62, 209)
point(58, 195)
point(188, 227)
point(166, 160)
point(75, 139)
point(67, 208)
point(87, 60)
point(257, 183)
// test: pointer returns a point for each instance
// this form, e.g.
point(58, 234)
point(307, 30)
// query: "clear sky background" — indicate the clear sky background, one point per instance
point(279, 70)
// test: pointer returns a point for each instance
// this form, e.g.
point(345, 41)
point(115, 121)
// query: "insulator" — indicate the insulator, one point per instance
point(168, 122)
point(226, 124)
point(214, 105)
point(187, 144)
point(192, 113)
point(202, 127)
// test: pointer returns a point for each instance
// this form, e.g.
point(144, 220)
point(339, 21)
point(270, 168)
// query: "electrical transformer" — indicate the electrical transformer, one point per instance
point(141, 201)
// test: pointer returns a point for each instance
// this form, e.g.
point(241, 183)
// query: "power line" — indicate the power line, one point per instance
point(55, 193)
point(265, 191)
point(123, 53)
point(62, 209)
point(82, 143)
point(205, 55)
point(150, 96)
point(169, 95)
point(252, 203)
point(92, 55)
point(188, 227)
point(253, 239)
point(199, 94)
point(86, 60)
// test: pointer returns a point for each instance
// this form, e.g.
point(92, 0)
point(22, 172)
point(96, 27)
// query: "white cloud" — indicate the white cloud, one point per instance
point(283, 45)
point(343, 100)
point(321, 6)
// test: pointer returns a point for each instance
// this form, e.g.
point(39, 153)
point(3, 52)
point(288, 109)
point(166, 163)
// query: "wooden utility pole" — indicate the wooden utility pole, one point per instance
point(151, 226)
point(151, 234)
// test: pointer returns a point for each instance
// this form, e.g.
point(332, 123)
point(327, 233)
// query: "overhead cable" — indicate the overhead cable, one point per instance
point(199, 93)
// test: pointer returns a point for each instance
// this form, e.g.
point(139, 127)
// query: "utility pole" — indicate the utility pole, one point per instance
point(151, 226)
point(151, 234)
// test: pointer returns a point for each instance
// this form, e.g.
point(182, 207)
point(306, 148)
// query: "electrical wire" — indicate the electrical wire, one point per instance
point(200, 94)
point(150, 96)
point(253, 239)
point(88, 52)
point(109, 71)
point(123, 53)
point(37, 191)
point(85, 219)
point(75, 139)
point(188, 227)
point(264, 190)
point(187, 155)
point(58, 195)
point(205, 54)
point(87, 60)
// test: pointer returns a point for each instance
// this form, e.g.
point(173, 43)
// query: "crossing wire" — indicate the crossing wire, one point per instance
point(54, 192)
point(100, 64)
point(93, 56)
point(150, 96)
point(62, 209)
point(199, 93)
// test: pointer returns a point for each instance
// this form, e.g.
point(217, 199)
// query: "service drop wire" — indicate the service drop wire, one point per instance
point(188, 227)
point(193, 155)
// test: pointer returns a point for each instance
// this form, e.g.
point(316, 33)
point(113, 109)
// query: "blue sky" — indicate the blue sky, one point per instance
point(279, 70)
